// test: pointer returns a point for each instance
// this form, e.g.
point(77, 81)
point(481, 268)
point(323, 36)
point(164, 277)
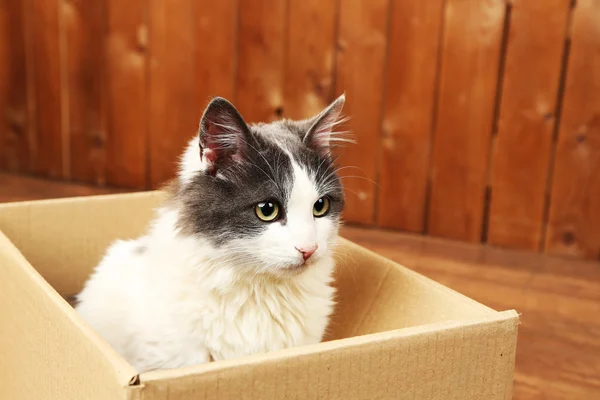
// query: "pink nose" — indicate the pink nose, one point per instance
point(307, 251)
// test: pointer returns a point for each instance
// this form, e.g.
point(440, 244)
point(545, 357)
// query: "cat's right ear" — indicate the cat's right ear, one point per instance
point(321, 133)
point(222, 134)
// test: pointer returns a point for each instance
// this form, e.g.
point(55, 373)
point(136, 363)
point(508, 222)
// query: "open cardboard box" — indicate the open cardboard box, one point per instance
point(395, 334)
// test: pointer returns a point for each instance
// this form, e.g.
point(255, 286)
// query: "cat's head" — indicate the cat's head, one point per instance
point(267, 194)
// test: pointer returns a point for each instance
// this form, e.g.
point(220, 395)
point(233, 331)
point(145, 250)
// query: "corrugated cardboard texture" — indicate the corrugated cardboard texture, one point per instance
point(376, 295)
point(65, 238)
point(469, 361)
point(44, 353)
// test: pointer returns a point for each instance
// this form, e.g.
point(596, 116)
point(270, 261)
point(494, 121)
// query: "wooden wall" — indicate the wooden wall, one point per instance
point(476, 120)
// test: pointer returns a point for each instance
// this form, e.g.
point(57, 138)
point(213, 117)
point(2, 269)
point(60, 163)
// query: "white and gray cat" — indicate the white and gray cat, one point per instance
point(239, 259)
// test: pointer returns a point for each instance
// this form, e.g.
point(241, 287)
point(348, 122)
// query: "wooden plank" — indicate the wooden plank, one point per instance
point(216, 29)
point(174, 114)
point(523, 146)
point(468, 81)
point(574, 218)
point(259, 77)
point(14, 122)
point(408, 114)
point(85, 50)
point(51, 142)
point(309, 58)
point(126, 149)
point(360, 64)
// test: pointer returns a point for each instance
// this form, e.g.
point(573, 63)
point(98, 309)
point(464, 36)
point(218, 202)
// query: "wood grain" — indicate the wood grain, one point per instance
point(173, 114)
point(408, 114)
point(361, 53)
point(259, 77)
point(51, 141)
point(468, 82)
point(96, 92)
point(84, 23)
point(14, 122)
point(574, 219)
point(216, 52)
point(126, 142)
point(527, 119)
point(309, 62)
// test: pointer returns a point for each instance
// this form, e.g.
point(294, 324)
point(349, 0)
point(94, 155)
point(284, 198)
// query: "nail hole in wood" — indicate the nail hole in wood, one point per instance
point(568, 238)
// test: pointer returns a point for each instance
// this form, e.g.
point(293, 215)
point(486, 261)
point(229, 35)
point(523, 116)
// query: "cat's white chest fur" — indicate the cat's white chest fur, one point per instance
point(260, 317)
point(160, 303)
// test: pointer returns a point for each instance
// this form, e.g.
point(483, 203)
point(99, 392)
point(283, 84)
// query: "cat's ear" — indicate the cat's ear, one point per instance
point(222, 133)
point(321, 133)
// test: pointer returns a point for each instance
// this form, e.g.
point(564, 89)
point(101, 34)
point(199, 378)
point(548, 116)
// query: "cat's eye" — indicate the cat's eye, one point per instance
point(321, 207)
point(267, 211)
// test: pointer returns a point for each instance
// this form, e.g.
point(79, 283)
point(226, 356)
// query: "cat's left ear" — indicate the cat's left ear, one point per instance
point(223, 134)
point(320, 134)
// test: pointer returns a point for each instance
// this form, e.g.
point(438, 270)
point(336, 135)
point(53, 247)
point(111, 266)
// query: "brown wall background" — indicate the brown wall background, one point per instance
point(476, 120)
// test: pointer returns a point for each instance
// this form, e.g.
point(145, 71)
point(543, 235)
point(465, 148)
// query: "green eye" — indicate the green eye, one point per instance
point(267, 211)
point(321, 207)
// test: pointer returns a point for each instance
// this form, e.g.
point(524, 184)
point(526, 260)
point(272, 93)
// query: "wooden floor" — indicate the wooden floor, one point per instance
point(558, 354)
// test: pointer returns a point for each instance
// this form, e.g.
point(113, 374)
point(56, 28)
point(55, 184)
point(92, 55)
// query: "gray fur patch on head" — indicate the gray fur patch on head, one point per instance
point(219, 203)
point(222, 207)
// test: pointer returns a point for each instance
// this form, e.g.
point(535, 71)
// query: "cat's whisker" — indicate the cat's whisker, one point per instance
point(344, 261)
point(334, 139)
point(336, 171)
point(263, 157)
point(319, 167)
point(259, 188)
point(351, 191)
point(359, 177)
point(329, 126)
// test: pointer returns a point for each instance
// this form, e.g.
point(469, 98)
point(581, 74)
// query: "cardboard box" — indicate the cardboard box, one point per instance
point(395, 333)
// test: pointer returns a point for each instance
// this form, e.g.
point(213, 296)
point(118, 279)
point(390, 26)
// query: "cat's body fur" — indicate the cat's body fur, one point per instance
point(192, 313)
point(206, 284)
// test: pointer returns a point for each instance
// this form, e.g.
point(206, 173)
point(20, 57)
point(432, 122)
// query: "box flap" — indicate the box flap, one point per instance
point(376, 294)
point(449, 360)
point(65, 238)
point(48, 352)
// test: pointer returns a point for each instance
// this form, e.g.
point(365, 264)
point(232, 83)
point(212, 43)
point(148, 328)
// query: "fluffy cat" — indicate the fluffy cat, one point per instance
point(239, 259)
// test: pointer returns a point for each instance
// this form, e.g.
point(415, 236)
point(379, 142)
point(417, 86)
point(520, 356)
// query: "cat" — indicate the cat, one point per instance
point(238, 260)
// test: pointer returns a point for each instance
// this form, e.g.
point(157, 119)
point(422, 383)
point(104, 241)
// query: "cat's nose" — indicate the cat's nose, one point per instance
point(307, 251)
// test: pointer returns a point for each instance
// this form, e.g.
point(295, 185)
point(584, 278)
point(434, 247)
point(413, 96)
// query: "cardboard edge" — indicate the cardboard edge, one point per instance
point(78, 199)
point(467, 301)
point(509, 319)
point(123, 370)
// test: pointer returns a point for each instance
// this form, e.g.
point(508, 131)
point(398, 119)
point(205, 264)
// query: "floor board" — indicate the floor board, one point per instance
point(22, 187)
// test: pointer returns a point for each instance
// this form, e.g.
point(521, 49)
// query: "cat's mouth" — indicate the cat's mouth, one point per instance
point(300, 266)
point(296, 269)
point(291, 267)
